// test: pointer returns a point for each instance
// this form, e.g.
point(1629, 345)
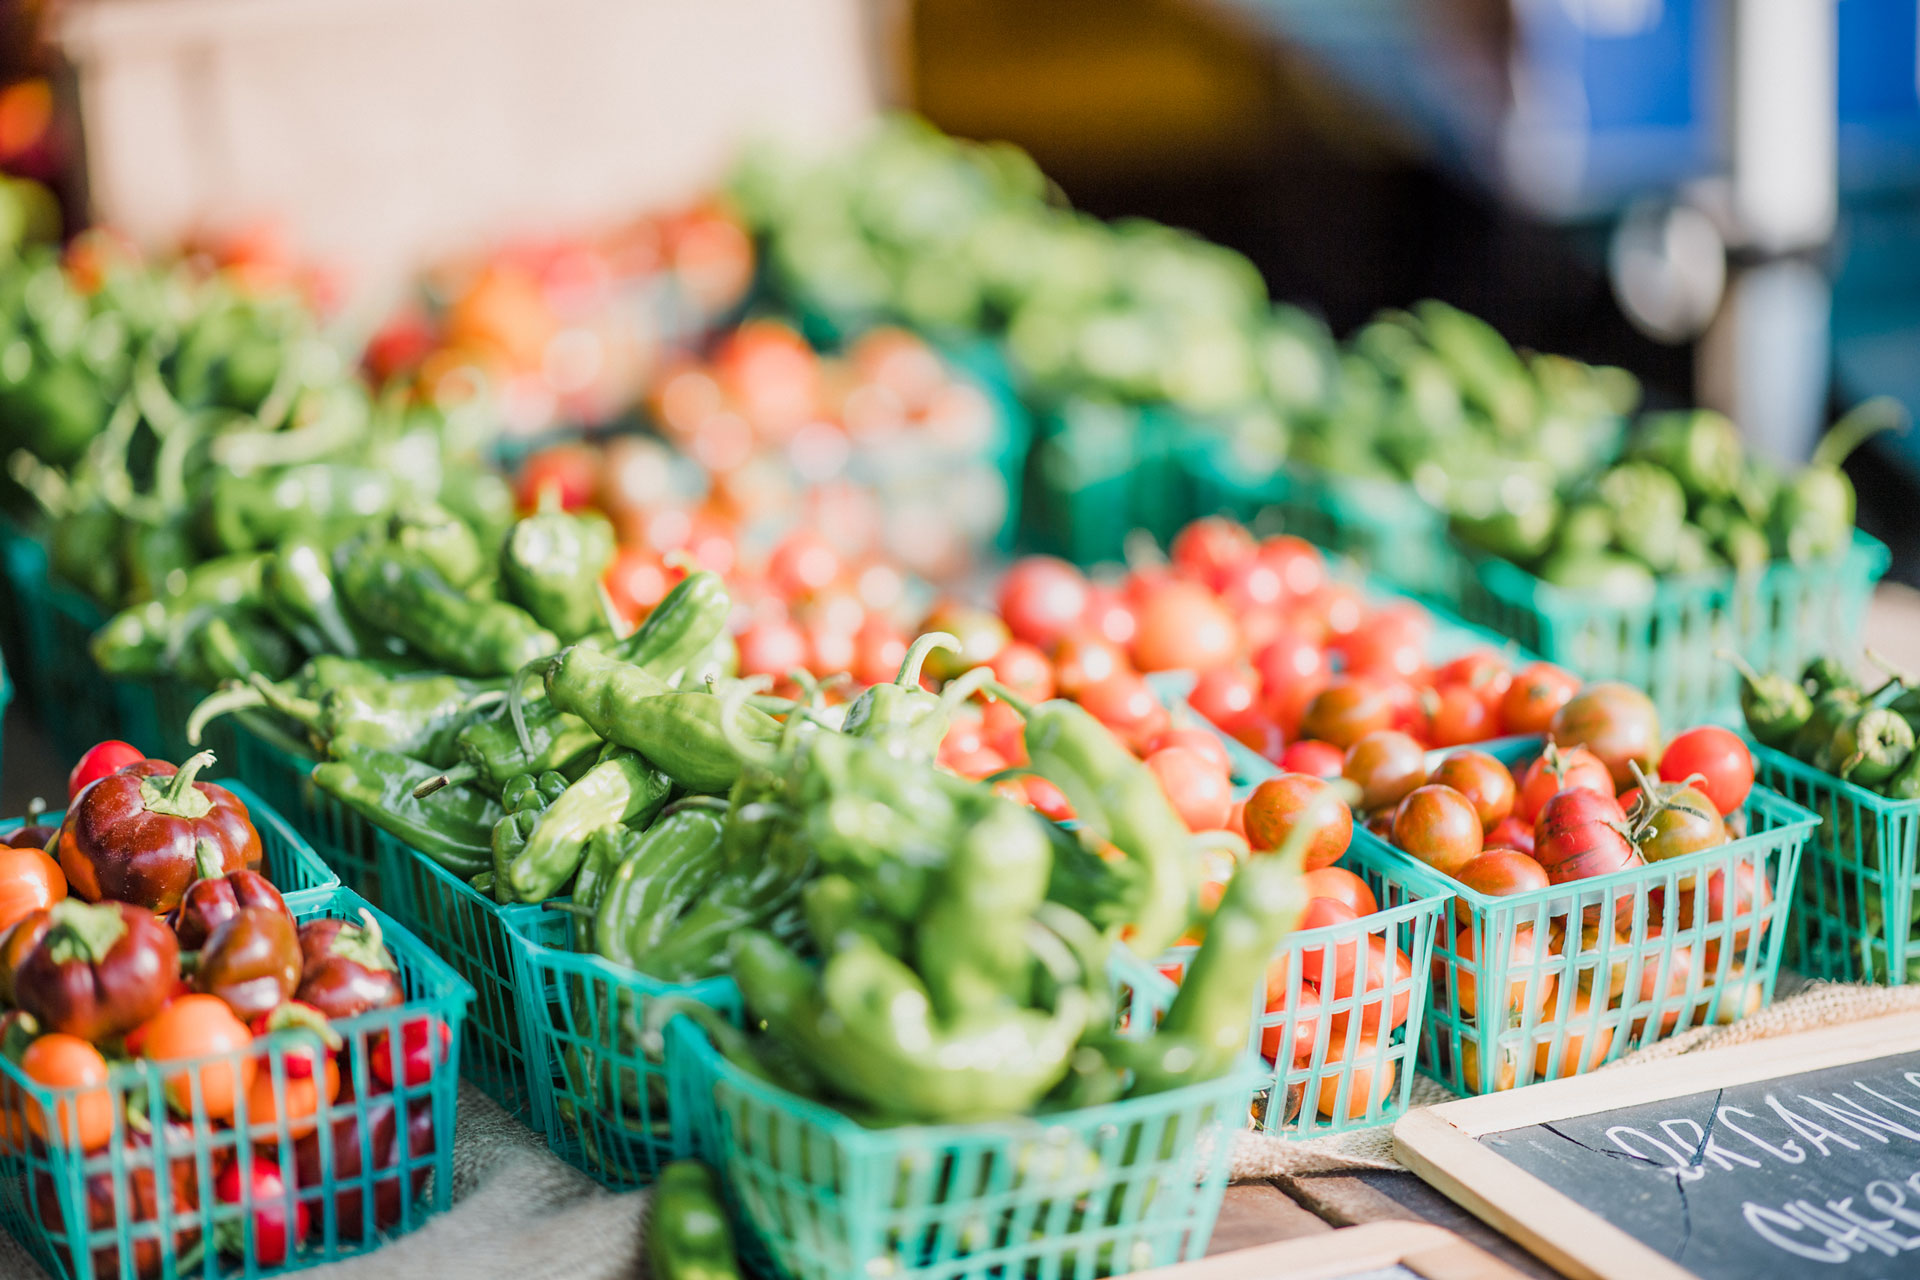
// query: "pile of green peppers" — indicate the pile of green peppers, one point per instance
point(1686, 500)
point(1827, 719)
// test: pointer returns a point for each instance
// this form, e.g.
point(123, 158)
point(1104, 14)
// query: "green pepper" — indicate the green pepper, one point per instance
point(838, 914)
point(1607, 576)
point(525, 797)
point(155, 558)
point(622, 788)
point(246, 512)
point(452, 825)
point(235, 646)
point(1649, 508)
point(443, 540)
point(658, 876)
point(680, 629)
point(1813, 513)
point(1776, 708)
point(551, 566)
point(1814, 742)
point(1701, 448)
point(680, 732)
point(970, 944)
point(301, 594)
point(687, 1233)
point(1902, 784)
point(1116, 796)
point(1825, 673)
point(1871, 745)
point(335, 699)
point(907, 719)
point(492, 749)
point(145, 639)
point(398, 592)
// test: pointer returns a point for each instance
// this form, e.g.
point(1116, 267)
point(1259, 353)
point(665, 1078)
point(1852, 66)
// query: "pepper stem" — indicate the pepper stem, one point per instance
point(362, 943)
point(207, 860)
point(302, 711)
point(1006, 695)
point(1740, 664)
point(917, 652)
point(1858, 425)
point(460, 773)
point(965, 687)
point(175, 797)
point(234, 697)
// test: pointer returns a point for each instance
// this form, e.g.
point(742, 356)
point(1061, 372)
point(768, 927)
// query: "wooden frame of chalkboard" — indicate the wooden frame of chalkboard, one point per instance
point(1384, 1250)
point(1444, 1144)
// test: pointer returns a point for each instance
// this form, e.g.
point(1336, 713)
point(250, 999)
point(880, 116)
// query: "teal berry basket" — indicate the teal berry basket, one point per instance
point(377, 1164)
point(1378, 522)
point(1692, 941)
point(474, 935)
point(289, 862)
point(281, 770)
point(1337, 1026)
point(1669, 645)
point(1853, 910)
point(1102, 471)
point(1101, 1191)
point(598, 1082)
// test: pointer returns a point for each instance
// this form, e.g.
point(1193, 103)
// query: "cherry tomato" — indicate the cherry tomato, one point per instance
point(1276, 1043)
point(1044, 599)
point(1681, 823)
point(1387, 969)
point(1126, 704)
point(1368, 1084)
point(772, 646)
point(301, 1094)
point(266, 1197)
point(1616, 722)
point(1529, 985)
point(1262, 737)
point(1183, 626)
point(804, 563)
point(1314, 758)
point(1302, 568)
point(879, 648)
point(1047, 799)
point(636, 581)
point(1204, 741)
point(1576, 1054)
point(1498, 873)
point(1252, 585)
point(572, 471)
point(195, 1026)
point(1719, 757)
point(1346, 711)
point(1512, 834)
point(1578, 836)
point(1386, 764)
point(61, 1061)
point(1225, 695)
point(1277, 804)
point(1457, 715)
point(1506, 1070)
point(30, 880)
point(1082, 659)
point(1200, 792)
point(1341, 885)
point(974, 765)
point(1575, 769)
point(1538, 690)
point(1392, 644)
point(1110, 615)
point(1292, 670)
point(1746, 905)
point(1211, 547)
point(1483, 671)
point(1439, 826)
point(1025, 670)
point(100, 760)
point(424, 1044)
point(1327, 964)
point(1002, 730)
point(1481, 779)
point(1674, 997)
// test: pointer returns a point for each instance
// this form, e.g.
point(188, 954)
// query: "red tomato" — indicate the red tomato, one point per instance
point(1386, 969)
point(1576, 1055)
point(1616, 722)
point(803, 563)
point(1292, 670)
point(1204, 741)
point(967, 731)
point(1296, 1047)
point(1314, 758)
point(1004, 730)
point(1277, 804)
point(830, 649)
point(1385, 765)
point(975, 764)
point(1083, 658)
point(1224, 695)
point(1025, 670)
point(1369, 1081)
point(1327, 964)
point(772, 646)
point(1260, 736)
point(1512, 834)
point(1537, 691)
point(1578, 836)
point(879, 648)
point(1043, 599)
point(1719, 757)
point(1393, 643)
point(1745, 905)
point(1346, 711)
point(1125, 704)
point(572, 471)
point(1046, 798)
point(1576, 769)
point(1209, 548)
point(1456, 715)
point(100, 760)
point(1439, 826)
point(1483, 780)
point(1110, 615)
point(1302, 568)
point(1184, 627)
point(1252, 585)
point(636, 581)
point(1237, 820)
point(1483, 671)
point(1201, 793)
point(1498, 873)
point(1528, 985)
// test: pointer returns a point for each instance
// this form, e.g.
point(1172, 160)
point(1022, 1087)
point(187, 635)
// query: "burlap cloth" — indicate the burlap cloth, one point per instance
point(521, 1214)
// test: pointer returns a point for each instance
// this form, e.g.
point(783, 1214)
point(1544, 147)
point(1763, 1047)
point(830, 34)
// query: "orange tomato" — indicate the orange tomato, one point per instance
point(196, 1026)
point(61, 1061)
point(1577, 1054)
point(1506, 1068)
point(29, 880)
point(1341, 885)
point(1329, 965)
point(1371, 1080)
point(1387, 968)
point(1525, 988)
point(1307, 1031)
point(302, 1094)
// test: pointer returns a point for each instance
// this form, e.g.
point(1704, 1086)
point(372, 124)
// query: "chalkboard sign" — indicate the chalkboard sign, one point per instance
point(1378, 1251)
point(1797, 1156)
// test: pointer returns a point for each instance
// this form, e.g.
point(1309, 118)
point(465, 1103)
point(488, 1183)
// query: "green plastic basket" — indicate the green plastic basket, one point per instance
point(1669, 647)
point(1100, 1191)
point(1381, 524)
point(600, 1090)
point(1100, 471)
point(289, 862)
point(473, 934)
point(1338, 1087)
point(1854, 904)
point(1693, 971)
point(137, 1223)
point(282, 772)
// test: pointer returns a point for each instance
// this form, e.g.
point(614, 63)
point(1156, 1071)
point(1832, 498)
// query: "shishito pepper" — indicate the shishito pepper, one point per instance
point(970, 943)
point(1813, 513)
point(622, 788)
point(135, 835)
point(142, 640)
point(901, 714)
point(451, 825)
point(687, 1233)
point(400, 592)
point(660, 874)
point(246, 512)
point(551, 566)
point(1871, 746)
point(420, 714)
point(1775, 707)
